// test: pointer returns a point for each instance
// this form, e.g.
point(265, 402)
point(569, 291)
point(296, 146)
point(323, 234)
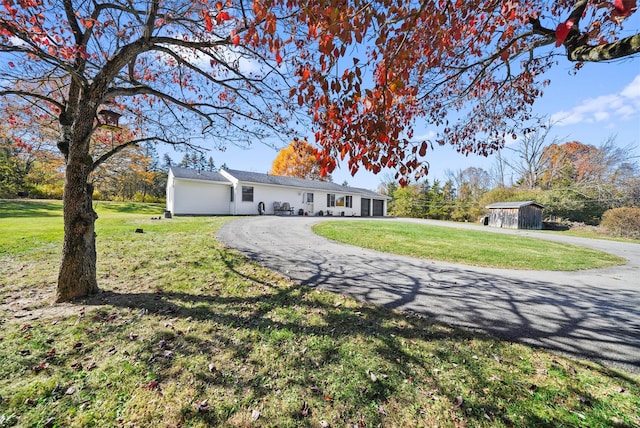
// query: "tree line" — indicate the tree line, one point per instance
point(36, 169)
point(576, 182)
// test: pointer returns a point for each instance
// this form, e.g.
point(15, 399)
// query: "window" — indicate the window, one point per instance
point(343, 201)
point(331, 200)
point(247, 194)
point(233, 194)
point(310, 197)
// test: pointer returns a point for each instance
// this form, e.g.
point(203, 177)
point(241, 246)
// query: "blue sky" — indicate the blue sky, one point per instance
point(600, 101)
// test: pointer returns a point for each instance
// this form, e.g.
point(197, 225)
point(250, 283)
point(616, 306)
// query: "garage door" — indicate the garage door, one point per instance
point(378, 207)
point(364, 208)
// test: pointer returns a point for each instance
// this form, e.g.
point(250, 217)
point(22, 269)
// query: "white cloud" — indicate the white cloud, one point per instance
point(426, 136)
point(623, 105)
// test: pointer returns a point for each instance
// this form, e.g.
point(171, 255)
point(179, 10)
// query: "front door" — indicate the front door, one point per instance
point(364, 207)
point(309, 203)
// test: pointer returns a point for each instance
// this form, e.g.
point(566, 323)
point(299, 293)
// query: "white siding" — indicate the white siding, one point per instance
point(189, 196)
point(192, 197)
point(268, 195)
point(170, 191)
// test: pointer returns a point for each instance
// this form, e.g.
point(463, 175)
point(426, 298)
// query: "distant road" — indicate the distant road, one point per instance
point(590, 314)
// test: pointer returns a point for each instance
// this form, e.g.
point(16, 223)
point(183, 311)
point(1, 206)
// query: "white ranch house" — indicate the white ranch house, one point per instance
point(233, 192)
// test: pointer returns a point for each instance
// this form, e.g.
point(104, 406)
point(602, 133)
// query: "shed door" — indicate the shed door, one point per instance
point(364, 208)
point(378, 207)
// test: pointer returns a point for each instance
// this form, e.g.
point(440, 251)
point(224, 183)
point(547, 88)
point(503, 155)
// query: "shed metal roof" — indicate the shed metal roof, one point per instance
point(510, 205)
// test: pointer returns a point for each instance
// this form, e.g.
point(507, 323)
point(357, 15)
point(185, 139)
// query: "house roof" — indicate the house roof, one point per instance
point(511, 205)
point(273, 180)
point(194, 174)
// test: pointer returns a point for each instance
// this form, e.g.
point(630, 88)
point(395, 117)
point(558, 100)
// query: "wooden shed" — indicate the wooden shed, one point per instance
point(516, 215)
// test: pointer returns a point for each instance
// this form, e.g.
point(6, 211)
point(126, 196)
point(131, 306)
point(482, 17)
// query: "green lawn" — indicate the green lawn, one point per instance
point(476, 248)
point(189, 333)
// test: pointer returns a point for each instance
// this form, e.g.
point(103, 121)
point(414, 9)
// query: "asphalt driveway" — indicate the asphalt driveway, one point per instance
point(590, 314)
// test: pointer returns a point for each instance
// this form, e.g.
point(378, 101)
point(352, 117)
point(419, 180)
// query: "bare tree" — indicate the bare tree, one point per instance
point(528, 163)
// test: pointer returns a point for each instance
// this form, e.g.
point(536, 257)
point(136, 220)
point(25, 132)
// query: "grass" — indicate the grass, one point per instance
point(476, 248)
point(189, 333)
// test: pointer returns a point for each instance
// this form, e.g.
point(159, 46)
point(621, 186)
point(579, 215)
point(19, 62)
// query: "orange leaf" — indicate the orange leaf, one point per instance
point(208, 24)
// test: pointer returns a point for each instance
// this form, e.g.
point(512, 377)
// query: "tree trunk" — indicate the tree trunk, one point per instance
point(77, 275)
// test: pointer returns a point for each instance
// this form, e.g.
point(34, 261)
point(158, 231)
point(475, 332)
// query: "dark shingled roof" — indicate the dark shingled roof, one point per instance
point(510, 205)
point(278, 180)
point(274, 180)
point(194, 174)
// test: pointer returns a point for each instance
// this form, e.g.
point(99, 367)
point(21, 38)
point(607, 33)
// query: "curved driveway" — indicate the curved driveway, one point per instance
point(591, 314)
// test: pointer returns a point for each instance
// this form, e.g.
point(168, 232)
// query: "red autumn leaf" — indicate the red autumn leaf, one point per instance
point(208, 24)
point(235, 39)
point(562, 31)
point(223, 16)
point(278, 58)
point(11, 64)
point(622, 9)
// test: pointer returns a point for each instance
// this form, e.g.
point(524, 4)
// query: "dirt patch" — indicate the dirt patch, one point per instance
point(20, 304)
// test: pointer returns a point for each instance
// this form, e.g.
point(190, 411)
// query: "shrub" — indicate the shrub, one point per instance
point(622, 222)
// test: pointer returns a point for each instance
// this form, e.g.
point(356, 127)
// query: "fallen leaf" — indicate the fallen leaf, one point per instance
point(152, 385)
point(306, 410)
point(458, 402)
point(212, 367)
point(42, 366)
point(584, 400)
point(324, 424)
point(202, 406)
point(255, 415)
point(71, 390)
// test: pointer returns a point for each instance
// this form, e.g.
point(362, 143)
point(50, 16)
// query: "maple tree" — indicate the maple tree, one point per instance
point(470, 68)
point(168, 70)
point(298, 159)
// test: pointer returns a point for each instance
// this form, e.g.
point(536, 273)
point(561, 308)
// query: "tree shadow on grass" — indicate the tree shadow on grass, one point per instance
point(398, 340)
point(576, 318)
